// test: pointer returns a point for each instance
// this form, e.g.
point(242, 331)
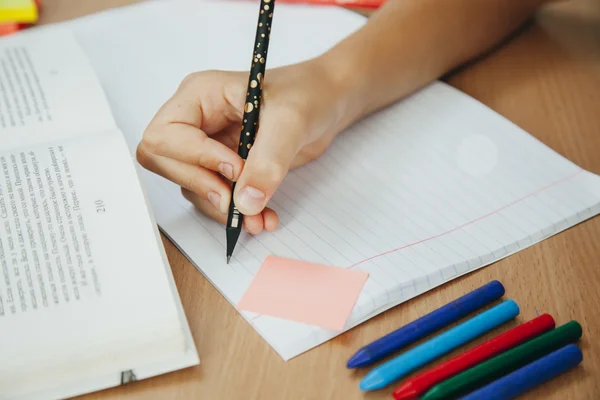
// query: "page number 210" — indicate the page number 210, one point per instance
point(100, 208)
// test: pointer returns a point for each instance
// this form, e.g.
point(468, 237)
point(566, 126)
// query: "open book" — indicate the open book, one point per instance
point(418, 194)
point(87, 299)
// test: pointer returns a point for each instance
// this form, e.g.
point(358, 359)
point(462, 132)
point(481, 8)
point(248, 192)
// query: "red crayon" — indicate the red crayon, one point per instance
point(522, 333)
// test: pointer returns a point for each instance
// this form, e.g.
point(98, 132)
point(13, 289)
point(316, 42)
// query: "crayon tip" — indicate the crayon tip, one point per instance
point(373, 381)
point(433, 394)
point(360, 359)
point(406, 391)
point(498, 285)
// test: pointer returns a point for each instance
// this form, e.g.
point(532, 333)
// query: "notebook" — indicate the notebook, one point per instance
point(87, 299)
point(419, 193)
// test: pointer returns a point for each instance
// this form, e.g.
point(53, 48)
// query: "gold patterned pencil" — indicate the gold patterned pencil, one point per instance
point(251, 110)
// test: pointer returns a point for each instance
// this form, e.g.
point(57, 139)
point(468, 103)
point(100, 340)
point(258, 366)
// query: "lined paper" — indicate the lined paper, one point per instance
point(416, 195)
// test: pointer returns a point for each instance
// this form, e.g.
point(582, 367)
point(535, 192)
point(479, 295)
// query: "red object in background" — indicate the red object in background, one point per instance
point(8, 28)
point(345, 3)
point(12, 27)
point(412, 388)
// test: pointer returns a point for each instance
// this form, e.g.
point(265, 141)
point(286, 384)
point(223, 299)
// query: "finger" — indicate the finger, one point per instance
point(204, 206)
point(253, 224)
point(229, 136)
point(190, 145)
point(270, 219)
point(277, 142)
point(208, 100)
point(196, 179)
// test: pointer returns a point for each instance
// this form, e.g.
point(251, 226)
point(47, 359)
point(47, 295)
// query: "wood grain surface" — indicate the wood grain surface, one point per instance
point(546, 79)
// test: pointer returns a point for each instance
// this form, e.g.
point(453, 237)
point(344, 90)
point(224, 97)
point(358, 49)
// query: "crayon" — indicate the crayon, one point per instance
point(530, 376)
point(426, 325)
point(427, 379)
point(403, 364)
point(505, 363)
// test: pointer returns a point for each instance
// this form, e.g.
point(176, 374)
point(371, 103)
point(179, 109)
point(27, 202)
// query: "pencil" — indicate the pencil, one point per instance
point(251, 111)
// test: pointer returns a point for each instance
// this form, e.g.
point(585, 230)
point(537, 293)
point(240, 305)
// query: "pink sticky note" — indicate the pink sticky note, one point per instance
point(304, 292)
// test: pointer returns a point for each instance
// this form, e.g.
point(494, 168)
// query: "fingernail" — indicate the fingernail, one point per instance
point(226, 170)
point(215, 199)
point(251, 199)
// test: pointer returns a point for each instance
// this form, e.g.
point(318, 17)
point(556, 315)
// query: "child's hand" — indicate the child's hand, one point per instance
point(193, 139)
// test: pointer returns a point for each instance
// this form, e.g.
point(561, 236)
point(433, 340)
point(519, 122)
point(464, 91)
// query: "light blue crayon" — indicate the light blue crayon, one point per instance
point(405, 363)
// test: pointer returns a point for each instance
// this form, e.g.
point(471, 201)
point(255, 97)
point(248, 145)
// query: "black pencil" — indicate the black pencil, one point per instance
point(251, 110)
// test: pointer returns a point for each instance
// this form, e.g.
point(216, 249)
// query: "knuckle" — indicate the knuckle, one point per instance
point(195, 183)
point(188, 195)
point(291, 112)
point(190, 78)
point(204, 157)
point(152, 142)
point(199, 77)
point(273, 172)
point(142, 155)
point(311, 154)
point(191, 183)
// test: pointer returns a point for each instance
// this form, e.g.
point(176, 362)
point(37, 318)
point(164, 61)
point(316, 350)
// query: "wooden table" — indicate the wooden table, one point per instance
point(546, 80)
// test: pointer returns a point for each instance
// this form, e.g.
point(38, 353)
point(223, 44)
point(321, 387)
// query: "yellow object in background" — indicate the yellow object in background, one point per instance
point(18, 11)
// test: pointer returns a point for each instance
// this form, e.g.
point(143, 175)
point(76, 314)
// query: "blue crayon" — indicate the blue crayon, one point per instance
point(404, 364)
point(530, 376)
point(426, 325)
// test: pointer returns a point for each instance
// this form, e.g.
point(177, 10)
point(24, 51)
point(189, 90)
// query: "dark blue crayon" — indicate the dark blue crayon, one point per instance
point(426, 325)
point(530, 376)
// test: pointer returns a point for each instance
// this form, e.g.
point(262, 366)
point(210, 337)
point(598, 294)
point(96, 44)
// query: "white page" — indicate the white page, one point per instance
point(85, 291)
point(73, 270)
point(418, 194)
point(47, 92)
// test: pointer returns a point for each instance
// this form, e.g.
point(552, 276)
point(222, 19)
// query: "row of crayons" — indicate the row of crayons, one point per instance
point(16, 15)
point(502, 368)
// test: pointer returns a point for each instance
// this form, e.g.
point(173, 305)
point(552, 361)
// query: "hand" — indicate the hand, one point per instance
point(193, 138)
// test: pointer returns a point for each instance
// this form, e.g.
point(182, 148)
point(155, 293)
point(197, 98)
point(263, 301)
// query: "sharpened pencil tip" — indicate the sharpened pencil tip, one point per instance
point(228, 258)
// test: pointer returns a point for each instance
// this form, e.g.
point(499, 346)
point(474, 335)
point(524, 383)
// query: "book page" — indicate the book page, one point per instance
point(80, 255)
point(431, 188)
point(47, 91)
point(79, 261)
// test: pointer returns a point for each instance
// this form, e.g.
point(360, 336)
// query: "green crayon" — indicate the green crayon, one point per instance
point(511, 360)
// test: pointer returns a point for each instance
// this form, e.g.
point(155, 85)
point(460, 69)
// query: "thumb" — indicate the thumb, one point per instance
point(267, 164)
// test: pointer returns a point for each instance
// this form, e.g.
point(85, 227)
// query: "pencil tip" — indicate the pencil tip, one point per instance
point(228, 258)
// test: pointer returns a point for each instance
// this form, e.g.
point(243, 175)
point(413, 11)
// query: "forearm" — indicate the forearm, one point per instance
point(409, 43)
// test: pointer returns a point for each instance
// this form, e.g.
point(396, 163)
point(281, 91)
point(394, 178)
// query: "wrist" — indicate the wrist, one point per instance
point(347, 85)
